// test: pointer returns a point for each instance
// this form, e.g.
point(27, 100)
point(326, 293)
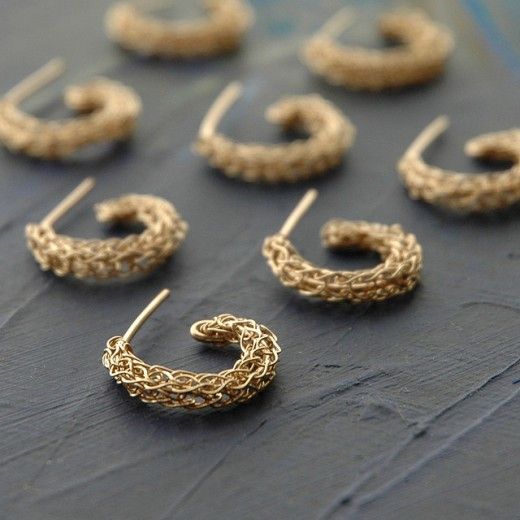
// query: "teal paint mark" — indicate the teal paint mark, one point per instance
point(496, 39)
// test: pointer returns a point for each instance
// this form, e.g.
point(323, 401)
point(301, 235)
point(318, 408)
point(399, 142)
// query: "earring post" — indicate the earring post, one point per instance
point(298, 212)
point(37, 80)
point(338, 22)
point(69, 201)
point(145, 314)
point(429, 134)
point(219, 107)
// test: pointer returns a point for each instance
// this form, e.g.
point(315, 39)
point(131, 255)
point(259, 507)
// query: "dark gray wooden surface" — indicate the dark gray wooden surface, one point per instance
point(408, 409)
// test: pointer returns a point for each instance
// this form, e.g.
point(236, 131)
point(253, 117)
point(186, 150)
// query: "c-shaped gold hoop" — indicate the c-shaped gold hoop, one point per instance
point(111, 108)
point(221, 32)
point(425, 48)
point(398, 273)
point(462, 191)
point(255, 369)
point(331, 134)
point(112, 257)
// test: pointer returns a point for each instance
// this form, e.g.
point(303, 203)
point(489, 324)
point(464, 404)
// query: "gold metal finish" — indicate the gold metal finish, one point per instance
point(255, 369)
point(220, 106)
point(398, 272)
point(462, 191)
point(421, 58)
point(69, 202)
point(331, 134)
point(112, 257)
point(145, 314)
point(221, 32)
point(298, 212)
point(36, 81)
point(112, 110)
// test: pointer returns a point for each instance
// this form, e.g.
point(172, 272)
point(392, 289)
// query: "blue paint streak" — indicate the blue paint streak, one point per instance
point(494, 36)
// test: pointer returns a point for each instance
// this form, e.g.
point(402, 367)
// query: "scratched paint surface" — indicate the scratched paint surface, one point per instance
point(407, 409)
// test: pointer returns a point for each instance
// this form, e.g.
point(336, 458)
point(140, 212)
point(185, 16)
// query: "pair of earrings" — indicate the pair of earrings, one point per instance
point(332, 134)
point(114, 258)
point(113, 109)
point(165, 230)
point(421, 57)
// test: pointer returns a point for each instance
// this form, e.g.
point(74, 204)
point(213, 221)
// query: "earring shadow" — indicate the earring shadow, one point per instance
point(332, 312)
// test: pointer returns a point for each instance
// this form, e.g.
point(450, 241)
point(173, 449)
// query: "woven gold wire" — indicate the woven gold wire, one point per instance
point(111, 108)
point(398, 272)
point(113, 257)
point(331, 134)
point(181, 388)
point(221, 32)
point(467, 192)
point(422, 56)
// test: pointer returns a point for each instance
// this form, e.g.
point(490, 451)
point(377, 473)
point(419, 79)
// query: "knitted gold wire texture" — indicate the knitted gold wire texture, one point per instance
point(462, 191)
point(113, 257)
point(111, 111)
point(221, 32)
point(181, 388)
point(331, 134)
point(398, 272)
point(425, 49)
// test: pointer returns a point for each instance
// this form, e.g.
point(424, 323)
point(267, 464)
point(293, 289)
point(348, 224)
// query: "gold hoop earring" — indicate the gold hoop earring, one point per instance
point(331, 134)
point(112, 257)
point(220, 33)
point(112, 112)
point(398, 272)
point(421, 58)
point(462, 191)
point(255, 369)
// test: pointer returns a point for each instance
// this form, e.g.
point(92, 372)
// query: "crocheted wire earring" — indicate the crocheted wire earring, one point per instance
point(421, 58)
point(255, 369)
point(112, 257)
point(331, 134)
point(398, 272)
point(221, 32)
point(462, 191)
point(111, 111)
